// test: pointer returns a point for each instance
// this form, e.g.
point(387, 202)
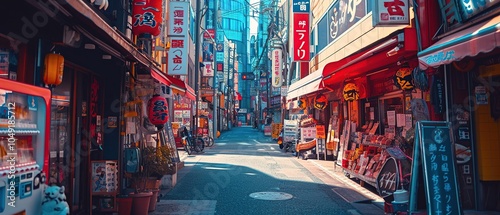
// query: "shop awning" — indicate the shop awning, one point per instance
point(382, 56)
point(309, 84)
point(480, 38)
point(181, 87)
point(237, 96)
point(162, 78)
point(107, 37)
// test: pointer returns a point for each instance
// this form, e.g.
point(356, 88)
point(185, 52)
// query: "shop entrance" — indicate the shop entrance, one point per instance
point(74, 134)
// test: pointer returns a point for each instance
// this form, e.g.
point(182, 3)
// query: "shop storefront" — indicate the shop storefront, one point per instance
point(465, 65)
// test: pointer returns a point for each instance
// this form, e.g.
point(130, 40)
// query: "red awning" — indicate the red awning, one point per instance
point(402, 46)
point(182, 87)
point(480, 38)
point(310, 84)
point(237, 96)
point(162, 78)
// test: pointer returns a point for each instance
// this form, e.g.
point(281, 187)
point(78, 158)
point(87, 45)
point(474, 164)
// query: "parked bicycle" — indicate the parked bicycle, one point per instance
point(190, 142)
point(209, 141)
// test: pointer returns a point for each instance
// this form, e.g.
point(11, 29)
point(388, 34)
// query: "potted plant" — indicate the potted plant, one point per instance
point(156, 162)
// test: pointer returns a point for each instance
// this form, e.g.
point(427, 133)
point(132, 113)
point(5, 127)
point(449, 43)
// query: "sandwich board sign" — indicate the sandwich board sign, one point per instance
point(434, 161)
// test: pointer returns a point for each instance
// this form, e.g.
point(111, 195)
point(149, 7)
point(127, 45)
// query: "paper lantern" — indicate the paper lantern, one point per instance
point(147, 17)
point(53, 69)
point(320, 102)
point(404, 79)
point(158, 111)
point(350, 92)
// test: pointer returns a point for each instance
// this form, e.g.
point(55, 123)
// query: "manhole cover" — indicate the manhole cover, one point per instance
point(271, 196)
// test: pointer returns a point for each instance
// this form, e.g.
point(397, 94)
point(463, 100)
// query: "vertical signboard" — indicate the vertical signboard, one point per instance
point(178, 30)
point(433, 157)
point(301, 30)
point(208, 70)
point(390, 12)
point(276, 66)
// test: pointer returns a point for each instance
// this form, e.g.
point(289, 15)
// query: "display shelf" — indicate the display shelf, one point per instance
point(24, 167)
point(368, 180)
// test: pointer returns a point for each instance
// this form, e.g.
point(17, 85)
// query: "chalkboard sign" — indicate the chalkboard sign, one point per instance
point(388, 178)
point(433, 156)
point(171, 141)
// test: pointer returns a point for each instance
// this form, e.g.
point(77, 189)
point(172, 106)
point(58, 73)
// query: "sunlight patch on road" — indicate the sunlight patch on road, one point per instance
point(243, 143)
point(249, 173)
point(215, 168)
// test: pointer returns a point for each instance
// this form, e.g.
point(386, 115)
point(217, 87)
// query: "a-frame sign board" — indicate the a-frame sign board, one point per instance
point(434, 157)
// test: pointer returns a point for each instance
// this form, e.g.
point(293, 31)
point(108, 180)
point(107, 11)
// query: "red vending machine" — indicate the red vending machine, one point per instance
point(24, 146)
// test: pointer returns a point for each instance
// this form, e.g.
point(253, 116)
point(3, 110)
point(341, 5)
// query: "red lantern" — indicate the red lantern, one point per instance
point(158, 111)
point(147, 17)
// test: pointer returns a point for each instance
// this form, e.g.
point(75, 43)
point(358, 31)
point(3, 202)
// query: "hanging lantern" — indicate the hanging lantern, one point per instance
point(158, 111)
point(320, 102)
point(302, 103)
point(53, 69)
point(350, 92)
point(404, 79)
point(146, 17)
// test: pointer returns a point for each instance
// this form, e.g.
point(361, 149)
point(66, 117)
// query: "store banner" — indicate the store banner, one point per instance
point(276, 65)
point(178, 22)
point(301, 37)
point(301, 6)
point(390, 12)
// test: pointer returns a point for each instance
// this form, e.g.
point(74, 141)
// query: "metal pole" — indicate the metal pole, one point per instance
point(228, 89)
point(215, 98)
point(197, 62)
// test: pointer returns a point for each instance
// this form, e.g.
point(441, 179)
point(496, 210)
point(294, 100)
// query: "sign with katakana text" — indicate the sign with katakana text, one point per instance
point(391, 12)
point(208, 70)
point(434, 157)
point(301, 37)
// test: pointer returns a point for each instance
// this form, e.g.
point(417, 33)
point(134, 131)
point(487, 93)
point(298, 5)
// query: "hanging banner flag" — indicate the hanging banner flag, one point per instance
point(276, 66)
point(178, 30)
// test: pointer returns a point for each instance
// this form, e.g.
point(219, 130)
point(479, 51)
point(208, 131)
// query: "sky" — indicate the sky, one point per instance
point(253, 21)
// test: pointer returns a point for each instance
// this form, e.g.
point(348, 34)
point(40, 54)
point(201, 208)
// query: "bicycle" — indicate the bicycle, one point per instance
point(190, 142)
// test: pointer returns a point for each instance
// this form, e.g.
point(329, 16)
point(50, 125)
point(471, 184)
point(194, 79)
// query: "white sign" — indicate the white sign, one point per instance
point(284, 90)
point(390, 12)
point(276, 66)
point(208, 70)
point(178, 57)
point(178, 21)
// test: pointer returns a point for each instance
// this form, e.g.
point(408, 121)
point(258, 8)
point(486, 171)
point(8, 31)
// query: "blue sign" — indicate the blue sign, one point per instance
point(301, 6)
point(440, 58)
point(473, 7)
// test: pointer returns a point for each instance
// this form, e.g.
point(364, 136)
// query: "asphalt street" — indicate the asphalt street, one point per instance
point(245, 172)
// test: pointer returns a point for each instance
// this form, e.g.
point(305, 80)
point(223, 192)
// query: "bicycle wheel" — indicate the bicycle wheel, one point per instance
point(209, 141)
point(187, 148)
point(199, 144)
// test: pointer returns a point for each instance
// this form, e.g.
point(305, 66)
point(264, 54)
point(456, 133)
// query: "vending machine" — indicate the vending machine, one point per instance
point(24, 146)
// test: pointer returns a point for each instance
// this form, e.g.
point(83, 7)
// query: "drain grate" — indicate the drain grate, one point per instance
point(271, 196)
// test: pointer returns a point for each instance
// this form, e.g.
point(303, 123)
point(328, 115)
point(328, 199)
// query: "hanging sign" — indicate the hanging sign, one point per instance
point(178, 30)
point(433, 156)
point(390, 12)
point(403, 79)
point(302, 103)
point(276, 66)
point(351, 92)
point(208, 70)
point(147, 17)
point(320, 102)
point(301, 37)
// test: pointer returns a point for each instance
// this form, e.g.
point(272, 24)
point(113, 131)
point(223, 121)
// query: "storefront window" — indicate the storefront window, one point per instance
point(389, 108)
point(8, 59)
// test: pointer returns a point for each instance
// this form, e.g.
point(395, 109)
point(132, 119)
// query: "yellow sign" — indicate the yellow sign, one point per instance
point(320, 132)
point(351, 92)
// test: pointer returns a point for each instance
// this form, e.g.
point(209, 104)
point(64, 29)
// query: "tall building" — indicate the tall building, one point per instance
point(234, 22)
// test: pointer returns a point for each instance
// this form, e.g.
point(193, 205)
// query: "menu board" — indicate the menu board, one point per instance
point(104, 177)
point(433, 156)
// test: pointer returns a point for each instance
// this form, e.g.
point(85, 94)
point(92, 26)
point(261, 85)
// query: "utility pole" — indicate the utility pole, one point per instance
point(215, 98)
point(197, 63)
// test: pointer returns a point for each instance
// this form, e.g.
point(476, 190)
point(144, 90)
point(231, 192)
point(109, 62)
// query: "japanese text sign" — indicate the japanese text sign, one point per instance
point(301, 37)
point(208, 70)
point(178, 56)
point(147, 17)
point(178, 20)
point(434, 147)
point(301, 6)
point(276, 66)
point(320, 132)
point(391, 12)
point(308, 132)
